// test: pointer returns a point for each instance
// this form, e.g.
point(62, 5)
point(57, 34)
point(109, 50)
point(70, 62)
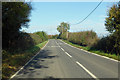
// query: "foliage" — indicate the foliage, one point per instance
point(85, 38)
point(36, 38)
point(23, 42)
point(111, 44)
point(53, 36)
point(107, 44)
point(63, 36)
point(112, 24)
point(14, 16)
point(63, 27)
point(42, 35)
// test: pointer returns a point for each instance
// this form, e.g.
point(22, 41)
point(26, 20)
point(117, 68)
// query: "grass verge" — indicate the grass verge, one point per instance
point(113, 56)
point(13, 62)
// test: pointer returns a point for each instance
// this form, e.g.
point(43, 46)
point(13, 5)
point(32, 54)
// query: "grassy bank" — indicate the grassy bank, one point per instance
point(93, 50)
point(13, 62)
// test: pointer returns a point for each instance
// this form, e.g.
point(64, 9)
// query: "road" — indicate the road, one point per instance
point(59, 60)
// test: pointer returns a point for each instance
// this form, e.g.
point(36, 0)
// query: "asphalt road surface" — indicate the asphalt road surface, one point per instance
point(59, 60)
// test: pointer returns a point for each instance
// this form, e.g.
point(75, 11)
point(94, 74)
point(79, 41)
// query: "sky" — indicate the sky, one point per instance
point(46, 16)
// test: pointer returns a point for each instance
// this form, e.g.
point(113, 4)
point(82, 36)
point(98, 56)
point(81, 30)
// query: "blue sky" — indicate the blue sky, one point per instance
point(46, 16)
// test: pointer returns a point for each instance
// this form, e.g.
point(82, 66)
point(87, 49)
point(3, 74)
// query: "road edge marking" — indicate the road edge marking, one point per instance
point(27, 62)
point(93, 53)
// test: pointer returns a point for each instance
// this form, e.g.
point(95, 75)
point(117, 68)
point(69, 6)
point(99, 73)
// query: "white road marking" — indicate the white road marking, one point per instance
point(68, 54)
point(60, 43)
point(27, 62)
point(87, 70)
point(92, 53)
point(54, 46)
point(57, 44)
point(62, 49)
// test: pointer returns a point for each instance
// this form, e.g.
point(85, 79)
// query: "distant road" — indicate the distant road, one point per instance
point(59, 60)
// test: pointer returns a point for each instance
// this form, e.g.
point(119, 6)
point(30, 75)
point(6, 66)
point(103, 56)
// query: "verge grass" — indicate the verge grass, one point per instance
point(113, 56)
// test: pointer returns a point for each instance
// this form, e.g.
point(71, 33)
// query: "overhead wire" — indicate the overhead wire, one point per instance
point(89, 13)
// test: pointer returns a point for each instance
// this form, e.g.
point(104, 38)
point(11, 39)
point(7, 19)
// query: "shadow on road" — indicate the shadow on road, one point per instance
point(37, 63)
point(49, 78)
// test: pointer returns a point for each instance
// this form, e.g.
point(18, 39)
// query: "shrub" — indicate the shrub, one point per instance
point(85, 38)
point(107, 44)
point(42, 35)
point(52, 36)
point(36, 38)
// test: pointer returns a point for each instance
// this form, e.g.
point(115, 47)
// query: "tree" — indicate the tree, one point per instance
point(15, 15)
point(112, 24)
point(63, 28)
point(59, 29)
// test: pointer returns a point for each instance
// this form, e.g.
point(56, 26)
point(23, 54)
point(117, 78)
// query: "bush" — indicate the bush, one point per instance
point(36, 38)
point(85, 38)
point(107, 44)
point(52, 36)
point(42, 35)
point(21, 43)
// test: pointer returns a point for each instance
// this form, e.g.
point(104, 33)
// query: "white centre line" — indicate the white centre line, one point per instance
point(68, 54)
point(57, 44)
point(54, 46)
point(92, 53)
point(87, 71)
point(62, 49)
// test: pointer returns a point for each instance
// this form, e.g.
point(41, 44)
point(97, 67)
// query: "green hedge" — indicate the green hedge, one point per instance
point(42, 35)
point(85, 38)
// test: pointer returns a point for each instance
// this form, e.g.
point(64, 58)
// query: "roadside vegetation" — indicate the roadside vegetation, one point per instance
point(53, 36)
point(88, 40)
point(18, 47)
point(100, 52)
point(12, 62)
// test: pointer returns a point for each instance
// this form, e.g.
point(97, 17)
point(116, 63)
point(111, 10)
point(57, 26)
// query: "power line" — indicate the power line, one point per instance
point(88, 14)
